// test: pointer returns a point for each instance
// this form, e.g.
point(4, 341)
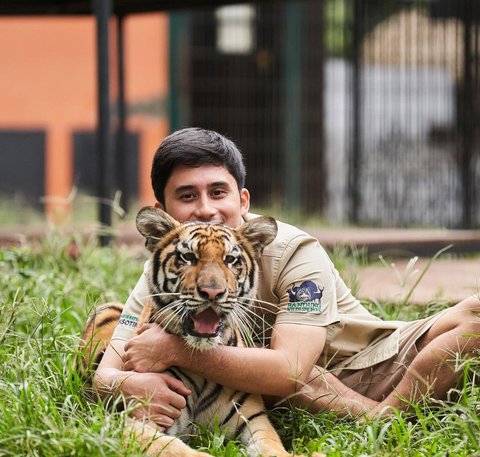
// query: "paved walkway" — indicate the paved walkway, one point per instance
point(446, 278)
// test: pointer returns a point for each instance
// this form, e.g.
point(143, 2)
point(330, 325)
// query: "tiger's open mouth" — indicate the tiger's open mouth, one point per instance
point(206, 324)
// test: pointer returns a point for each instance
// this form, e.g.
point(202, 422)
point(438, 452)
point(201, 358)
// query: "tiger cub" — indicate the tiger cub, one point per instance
point(201, 279)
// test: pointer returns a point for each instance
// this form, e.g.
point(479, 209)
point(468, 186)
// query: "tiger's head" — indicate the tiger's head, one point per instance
point(203, 276)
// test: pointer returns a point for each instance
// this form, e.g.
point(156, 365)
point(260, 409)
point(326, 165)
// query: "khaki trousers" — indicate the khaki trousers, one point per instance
point(378, 381)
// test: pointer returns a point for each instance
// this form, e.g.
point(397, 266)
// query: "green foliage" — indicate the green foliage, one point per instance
point(46, 293)
point(45, 298)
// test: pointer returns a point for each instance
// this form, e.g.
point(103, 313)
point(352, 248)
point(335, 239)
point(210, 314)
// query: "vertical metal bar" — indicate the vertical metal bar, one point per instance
point(467, 117)
point(313, 85)
point(475, 203)
point(121, 156)
point(103, 11)
point(178, 46)
point(354, 170)
point(292, 107)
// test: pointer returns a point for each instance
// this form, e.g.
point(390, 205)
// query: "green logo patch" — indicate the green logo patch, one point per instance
point(305, 298)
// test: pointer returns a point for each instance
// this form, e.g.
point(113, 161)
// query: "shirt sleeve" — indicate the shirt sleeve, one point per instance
point(128, 323)
point(306, 284)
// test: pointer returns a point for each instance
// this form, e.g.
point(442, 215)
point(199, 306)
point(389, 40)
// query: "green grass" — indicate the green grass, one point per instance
point(45, 298)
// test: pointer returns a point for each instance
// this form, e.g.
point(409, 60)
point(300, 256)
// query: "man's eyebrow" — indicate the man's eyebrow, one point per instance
point(190, 187)
point(180, 189)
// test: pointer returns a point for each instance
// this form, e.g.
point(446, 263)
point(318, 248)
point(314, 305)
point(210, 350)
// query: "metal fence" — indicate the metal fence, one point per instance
point(361, 110)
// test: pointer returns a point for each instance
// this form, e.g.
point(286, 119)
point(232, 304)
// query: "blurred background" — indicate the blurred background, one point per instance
point(347, 111)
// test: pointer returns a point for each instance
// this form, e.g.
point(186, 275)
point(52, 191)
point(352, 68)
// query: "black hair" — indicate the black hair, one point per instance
point(193, 147)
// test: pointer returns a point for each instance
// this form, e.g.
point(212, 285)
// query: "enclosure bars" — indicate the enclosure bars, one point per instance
point(468, 118)
point(103, 12)
point(355, 162)
point(111, 149)
point(293, 151)
point(121, 136)
point(177, 103)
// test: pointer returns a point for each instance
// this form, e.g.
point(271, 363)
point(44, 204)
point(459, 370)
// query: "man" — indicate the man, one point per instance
point(324, 350)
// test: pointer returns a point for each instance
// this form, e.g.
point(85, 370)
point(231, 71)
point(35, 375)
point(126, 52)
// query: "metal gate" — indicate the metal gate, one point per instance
point(361, 110)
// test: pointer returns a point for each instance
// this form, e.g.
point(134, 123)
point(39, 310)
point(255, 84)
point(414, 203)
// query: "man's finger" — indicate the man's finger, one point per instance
point(128, 365)
point(178, 386)
point(143, 328)
point(165, 410)
point(162, 422)
point(178, 402)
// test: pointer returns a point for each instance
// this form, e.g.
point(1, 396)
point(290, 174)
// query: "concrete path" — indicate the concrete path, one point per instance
point(445, 279)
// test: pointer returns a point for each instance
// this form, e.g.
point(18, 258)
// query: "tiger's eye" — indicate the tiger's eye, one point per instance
point(189, 257)
point(230, 259)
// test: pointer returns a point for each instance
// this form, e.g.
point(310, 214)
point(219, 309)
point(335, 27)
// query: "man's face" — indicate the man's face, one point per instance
point(207, 193)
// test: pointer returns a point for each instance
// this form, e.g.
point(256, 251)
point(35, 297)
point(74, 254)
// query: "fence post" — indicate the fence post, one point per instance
point(468, 116)
point(178, 27)
point(103, 12)
point(293, 153)
point(120, 146)
point(355, 162)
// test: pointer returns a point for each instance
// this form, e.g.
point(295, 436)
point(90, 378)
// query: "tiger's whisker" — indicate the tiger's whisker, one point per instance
point(256, 300)
point(255, 318)
point(175, 309)
point(253, 324)
point(245, 331)
point(251, 303)
point(174, 314)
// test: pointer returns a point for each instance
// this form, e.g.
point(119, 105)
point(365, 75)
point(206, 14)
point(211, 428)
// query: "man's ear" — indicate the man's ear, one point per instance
point(160, 206)
point(244, 201)
point(153, 223)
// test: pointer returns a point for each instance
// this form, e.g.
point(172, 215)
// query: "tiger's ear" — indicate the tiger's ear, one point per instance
point(259, 232)
point(153, 223)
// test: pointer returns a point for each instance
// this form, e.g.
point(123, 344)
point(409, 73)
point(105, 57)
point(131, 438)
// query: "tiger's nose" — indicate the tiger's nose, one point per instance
point(211, 293)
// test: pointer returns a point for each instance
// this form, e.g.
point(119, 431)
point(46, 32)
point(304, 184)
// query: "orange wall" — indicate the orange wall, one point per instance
point(48, 81)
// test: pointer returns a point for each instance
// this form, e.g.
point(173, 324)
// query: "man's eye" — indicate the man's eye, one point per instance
point(230, 259)
point(189, 257)
point(187, 197)
point(218, 193)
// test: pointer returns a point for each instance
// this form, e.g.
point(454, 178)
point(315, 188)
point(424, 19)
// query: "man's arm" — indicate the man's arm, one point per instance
point(162, 396)
point(286, 370)
point(280, 371)
point(319, 390)
point(324, 392)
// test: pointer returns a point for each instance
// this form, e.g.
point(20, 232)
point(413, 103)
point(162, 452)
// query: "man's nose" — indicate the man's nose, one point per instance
point(204, 209)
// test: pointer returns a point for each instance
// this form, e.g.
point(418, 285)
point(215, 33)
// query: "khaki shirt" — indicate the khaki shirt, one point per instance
point(298, 284)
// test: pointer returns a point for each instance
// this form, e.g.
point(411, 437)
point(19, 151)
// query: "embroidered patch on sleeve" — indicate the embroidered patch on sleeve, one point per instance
point(306, 298)
point(128, 320)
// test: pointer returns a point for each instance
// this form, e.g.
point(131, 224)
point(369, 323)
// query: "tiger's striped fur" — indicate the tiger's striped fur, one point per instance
point(202, 278)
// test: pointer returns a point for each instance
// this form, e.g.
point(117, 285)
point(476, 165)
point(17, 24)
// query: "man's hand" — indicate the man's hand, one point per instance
point(161, 396)
point(152, 350)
